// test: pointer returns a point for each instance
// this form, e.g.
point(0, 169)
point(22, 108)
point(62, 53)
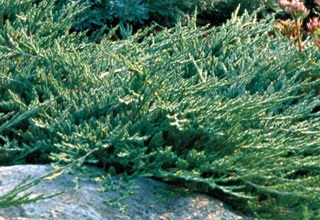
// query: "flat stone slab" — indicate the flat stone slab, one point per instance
point(150, 202)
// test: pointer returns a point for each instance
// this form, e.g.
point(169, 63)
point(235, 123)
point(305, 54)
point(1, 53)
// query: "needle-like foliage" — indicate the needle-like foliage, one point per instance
point(231, 110)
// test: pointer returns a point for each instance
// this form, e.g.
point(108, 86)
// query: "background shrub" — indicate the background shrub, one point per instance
point(132, 14)
point(221, 10)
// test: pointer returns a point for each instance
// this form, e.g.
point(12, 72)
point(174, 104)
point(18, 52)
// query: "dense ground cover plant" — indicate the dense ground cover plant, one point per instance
point(228, 110)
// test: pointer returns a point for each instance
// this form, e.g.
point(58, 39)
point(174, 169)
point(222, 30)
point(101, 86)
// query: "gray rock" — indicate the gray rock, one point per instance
point(150, 202)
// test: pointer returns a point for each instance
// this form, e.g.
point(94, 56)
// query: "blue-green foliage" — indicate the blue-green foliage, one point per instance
point(230, 108)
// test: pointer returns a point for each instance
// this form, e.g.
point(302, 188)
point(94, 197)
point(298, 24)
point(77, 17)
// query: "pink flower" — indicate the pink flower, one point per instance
point(314, 25)
point(295, 8)
point(283, 3)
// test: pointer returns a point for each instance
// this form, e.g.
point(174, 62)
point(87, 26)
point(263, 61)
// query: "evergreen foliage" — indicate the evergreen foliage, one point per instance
point(12, 198)
point(18, 196)
point(229, 109)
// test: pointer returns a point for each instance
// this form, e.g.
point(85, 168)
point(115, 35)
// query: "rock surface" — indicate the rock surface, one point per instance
point(150, 201)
